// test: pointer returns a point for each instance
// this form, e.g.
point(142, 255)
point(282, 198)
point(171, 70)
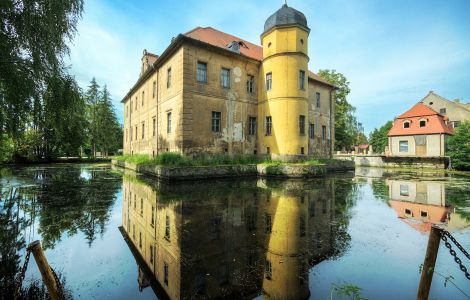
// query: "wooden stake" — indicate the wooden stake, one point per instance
point(429, 263)
point(46, 272)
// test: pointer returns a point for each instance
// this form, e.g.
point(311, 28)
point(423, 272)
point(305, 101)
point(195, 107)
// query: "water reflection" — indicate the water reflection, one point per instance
point(237, 239)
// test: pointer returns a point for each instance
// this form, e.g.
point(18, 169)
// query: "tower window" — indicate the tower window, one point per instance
point(168, 78)
point(302, 80)
point(225, 78)
point(250, 84)
point(201, 72)
point(268, 269)
point(216, 121)
point(301, 124)
point(268, 125)
point(168, 122)
point(302, 41)
point(269, 81)
point(317, 97)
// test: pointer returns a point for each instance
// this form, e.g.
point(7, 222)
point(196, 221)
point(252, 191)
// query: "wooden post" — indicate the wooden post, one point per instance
point(429, 263)
point(46, 272)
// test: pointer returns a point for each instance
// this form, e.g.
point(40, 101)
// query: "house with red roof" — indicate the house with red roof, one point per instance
point(419, 132)
point(212, 92)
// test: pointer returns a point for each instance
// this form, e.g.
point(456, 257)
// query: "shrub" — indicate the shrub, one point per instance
point(459, 147)
point(6, 148)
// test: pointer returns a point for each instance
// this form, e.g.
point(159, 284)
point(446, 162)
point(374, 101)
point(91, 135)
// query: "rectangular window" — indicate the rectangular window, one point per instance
point(302, 80)
point(154, 126)
point(168, 78)
point(168, 122)
point(268, 269)
point(165, 273)
point(404, 190)
point(216, 121)
point(251, 125)
point(268, 125)
point(167, 227)
point(456, 124)
point(403, 145)
point(225, 78)
point(323, 132)
point(143, 130)
point(269, 81)
point(143, 98)
point(250, 84)
point(154, 89)
point(126, 134)
point(201, 72)
point(267, 223)
point(317, 97)
point(311, 130)
point(131, 131)
point(151, 254)
point(302, 229)
point(131, 106)
point(152, 221)
point(422, 123)
point(301, 125)
point(136, 103)
point(442, 111)
point(141, 206)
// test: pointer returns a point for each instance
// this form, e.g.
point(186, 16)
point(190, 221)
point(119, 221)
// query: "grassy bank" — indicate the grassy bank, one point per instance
point(179, 160)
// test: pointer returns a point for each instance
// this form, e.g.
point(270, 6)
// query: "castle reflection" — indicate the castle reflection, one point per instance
point(231, 239)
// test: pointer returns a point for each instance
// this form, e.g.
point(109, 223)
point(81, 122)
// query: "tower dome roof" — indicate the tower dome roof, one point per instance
point(286, 16)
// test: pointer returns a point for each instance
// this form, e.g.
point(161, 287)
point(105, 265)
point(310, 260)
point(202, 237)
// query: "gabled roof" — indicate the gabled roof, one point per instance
point(465, 106)
point(419, 110)
point(435, 122)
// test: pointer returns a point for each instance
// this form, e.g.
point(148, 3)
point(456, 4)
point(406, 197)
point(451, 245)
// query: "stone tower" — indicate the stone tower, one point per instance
point(283, 107)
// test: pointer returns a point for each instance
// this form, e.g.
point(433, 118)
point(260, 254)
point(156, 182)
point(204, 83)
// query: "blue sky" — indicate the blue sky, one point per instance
point(392, 52)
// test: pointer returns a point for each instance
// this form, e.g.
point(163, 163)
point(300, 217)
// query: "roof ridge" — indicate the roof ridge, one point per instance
point(194, 29)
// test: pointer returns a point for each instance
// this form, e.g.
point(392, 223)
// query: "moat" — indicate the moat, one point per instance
point(111, 234)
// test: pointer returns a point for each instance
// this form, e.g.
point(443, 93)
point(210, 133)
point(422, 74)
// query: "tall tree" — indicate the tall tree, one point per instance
point(109, 133)
point(93, 98)
point(33, 41)
point(379, 137)
point(346, 126)
point(459, 147)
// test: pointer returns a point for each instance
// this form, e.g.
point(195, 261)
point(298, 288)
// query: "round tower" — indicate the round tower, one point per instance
point(283, 104)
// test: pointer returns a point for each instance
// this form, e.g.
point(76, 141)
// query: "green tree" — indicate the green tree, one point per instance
point(33, 41)
point(459, 147)
point(379, 137)
point(93, 97)
point(346, 125)
point(109, 130)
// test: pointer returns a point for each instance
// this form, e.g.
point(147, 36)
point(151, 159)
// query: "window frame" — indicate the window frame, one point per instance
point(168, 121)
point(323, 132)
point(251, 125)
point(301, 125)
point(269, 81)
point(198, 70)
point(225, 78)
point(143, 130)
point(405, 123)
point(168, 78)
point(311, 130)
point(400, 146)
point(302, 80)
point(250, 84)
point(216, 121)
point(268, 125)
point(318, 99)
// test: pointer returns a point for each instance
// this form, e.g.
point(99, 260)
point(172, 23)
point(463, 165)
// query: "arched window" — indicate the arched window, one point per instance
point(406, 124)
point(422, 123)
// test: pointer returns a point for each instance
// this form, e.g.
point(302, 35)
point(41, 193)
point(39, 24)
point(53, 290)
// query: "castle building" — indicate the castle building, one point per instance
point(212, 92)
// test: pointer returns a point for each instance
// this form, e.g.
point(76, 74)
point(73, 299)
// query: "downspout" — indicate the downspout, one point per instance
point(157, 118)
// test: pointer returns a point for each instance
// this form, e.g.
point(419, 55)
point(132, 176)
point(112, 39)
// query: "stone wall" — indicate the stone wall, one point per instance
point(401, 162)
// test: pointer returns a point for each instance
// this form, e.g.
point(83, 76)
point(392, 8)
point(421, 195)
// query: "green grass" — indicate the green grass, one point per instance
point(179, 160)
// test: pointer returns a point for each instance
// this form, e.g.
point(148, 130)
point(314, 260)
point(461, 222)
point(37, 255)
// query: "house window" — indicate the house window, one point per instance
point(154, 126)
point(140, 240)
point(168, 78)
point(408, 212)
point(406, 124)
point(268, 269)
point(250, 84)
point(251, 125)
point(404, 190)
point(269, 81)
point(317, 97)
point(201, 72)
point(141, 206)
point(323, 132)
point(154, 89)
point(302, 80)
point(168, 122)
point(455, 124)
point(403, 145)
point(301, 125)
point(136, 103)
point(167, 227)
point(136, 135)
point(130, 129)
point(225, 78)
point(268, 125)
point(442, 111)
point(268, 150)
point(131, 106)
point(422, 123)
point(143, 98)
point(143, 130)
point(151, 254)
point(302, 150)
point(216, 121)
point(424, 214)
point(165, 273)
point(311, 130)
point(152, 220)
point(267, 224)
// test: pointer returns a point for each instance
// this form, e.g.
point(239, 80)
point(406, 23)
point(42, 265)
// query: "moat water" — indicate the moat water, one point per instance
point(111, 234)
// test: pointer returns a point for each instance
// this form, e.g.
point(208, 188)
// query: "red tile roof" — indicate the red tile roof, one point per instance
point(435, 122)
point(221, 39)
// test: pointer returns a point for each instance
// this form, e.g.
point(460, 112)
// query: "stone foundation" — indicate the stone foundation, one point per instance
point(401, 162)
